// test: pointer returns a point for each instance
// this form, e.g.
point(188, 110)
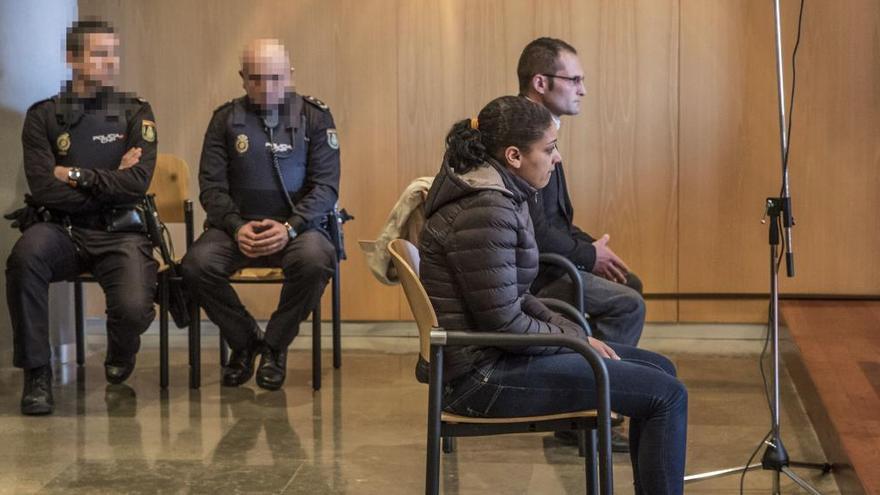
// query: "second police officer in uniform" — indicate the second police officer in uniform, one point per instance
point(252, 145)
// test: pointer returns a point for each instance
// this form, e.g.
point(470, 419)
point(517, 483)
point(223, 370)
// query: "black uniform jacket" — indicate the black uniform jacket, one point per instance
point(237, 177)
point(92, 134)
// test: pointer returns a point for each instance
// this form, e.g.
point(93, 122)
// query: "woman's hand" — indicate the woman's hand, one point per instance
point(603, 349)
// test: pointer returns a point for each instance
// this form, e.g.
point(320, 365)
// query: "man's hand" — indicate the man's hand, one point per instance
point(603, 349)
point(261, 238)
point(130, 158)
point(608, 265)
point(61, 173)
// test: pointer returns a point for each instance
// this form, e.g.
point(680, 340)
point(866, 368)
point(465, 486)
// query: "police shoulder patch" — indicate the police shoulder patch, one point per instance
point(148, 130)
point(332, 139)
point(316, 102)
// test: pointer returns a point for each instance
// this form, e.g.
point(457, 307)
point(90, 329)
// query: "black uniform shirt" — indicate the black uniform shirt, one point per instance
point(236, 174)
point(92, 134)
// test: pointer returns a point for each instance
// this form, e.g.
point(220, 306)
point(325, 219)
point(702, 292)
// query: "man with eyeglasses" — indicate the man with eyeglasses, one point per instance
point(550, 73)
point(269, 174)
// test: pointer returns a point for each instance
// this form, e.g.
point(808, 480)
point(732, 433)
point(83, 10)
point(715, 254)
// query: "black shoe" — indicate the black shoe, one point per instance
point(117, 370)
point(619, 441)
point(567, 437)
point(36, 399)
point(240, 367)
point(273, 368)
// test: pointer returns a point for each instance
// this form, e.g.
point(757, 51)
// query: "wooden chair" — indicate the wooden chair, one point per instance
point(335, 219)
point(433, 340)
point(170, 184)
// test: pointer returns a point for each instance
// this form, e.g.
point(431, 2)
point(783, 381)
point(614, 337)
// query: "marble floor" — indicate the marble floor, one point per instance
point(364, 432)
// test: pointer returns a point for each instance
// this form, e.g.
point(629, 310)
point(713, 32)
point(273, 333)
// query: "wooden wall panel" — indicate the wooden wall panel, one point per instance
point(728, 136)
point(432, 83)
point(672, 155)
point(730, 158)
point(835, 157)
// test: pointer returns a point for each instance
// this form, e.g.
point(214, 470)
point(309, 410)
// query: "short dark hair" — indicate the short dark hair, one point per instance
point(76, 34)
point(505, 121)
point(541, 56)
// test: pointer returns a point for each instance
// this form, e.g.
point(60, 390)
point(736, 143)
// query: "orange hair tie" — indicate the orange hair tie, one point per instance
point(475, 123)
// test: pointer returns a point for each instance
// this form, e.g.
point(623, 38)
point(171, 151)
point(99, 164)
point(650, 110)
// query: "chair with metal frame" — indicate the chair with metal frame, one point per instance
point(335, 220)
point(442, 425)
point(170, 184)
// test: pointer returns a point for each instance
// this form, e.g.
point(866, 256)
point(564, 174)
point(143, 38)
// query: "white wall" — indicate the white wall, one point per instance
point(31, 68)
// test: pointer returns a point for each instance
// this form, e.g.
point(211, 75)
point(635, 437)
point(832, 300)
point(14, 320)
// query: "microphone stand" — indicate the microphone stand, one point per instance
point(778, 210)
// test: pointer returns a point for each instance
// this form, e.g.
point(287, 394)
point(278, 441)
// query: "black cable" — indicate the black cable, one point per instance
point(742, 477)
point(780, 253)
point(797, 43)
point(167, 235)
point(763, 357)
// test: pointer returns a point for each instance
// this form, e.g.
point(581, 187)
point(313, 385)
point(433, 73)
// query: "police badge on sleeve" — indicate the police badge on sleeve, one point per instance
point(148, 130)
point(332, 139)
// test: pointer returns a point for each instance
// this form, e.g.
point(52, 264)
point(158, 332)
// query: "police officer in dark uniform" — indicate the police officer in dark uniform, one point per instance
point(87, 151)
point(269, 174)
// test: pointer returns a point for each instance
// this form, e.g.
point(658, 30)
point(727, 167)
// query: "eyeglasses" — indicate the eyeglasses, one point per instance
point(577, 80)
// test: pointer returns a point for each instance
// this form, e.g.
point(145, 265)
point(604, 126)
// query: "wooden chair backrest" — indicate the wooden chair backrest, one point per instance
point(170, 184)
point(405, 257)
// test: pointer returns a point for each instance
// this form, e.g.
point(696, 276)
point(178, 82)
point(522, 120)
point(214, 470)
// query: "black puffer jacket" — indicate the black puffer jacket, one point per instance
point(478, 259)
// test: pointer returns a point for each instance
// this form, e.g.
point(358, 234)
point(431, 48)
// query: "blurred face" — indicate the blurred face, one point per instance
point(564, 98)
point(535, 164)
point(265, 73)
point(98, 63)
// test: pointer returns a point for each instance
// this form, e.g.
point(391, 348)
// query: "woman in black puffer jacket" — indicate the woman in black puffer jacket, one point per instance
point(479, 258)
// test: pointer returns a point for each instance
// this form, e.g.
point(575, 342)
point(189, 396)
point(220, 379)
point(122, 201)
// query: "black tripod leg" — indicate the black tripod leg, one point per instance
point(821, 466)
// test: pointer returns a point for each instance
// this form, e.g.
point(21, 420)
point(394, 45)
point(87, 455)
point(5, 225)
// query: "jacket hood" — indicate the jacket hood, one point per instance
point(450, 186)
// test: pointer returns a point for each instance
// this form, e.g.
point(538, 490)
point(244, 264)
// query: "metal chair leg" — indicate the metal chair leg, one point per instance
point(590, 462)
point(316, 347)
point(337, 319)
point(448, 445)
point(80, 323)
point(435, 390)
point(195, 348)
point(582, 443)
point(163, 330)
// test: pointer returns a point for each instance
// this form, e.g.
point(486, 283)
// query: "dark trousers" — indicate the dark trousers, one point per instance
point(643, 387)
point(617, 311)
point(122, 263)
point(307, 262)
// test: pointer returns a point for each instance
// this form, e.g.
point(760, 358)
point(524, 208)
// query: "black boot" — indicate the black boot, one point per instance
point(240, 367)
point(118, 369)
point(36, 399)
point(273, 368)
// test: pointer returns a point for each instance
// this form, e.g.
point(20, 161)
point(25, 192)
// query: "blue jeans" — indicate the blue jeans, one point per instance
point(643, 388)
